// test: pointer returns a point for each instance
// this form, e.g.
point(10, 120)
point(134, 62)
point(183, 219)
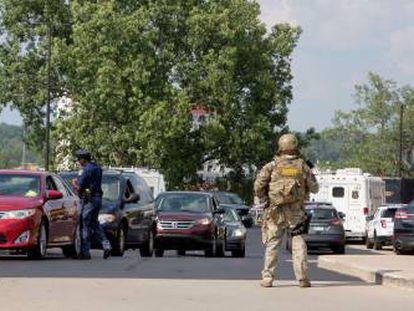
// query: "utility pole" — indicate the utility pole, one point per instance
point(24, 146)
point(49, 56)
point(401, 139)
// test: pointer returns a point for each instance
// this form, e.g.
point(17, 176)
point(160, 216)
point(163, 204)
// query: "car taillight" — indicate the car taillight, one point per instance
point(384, 224)
point(335, 222)
point(366, 211)
point(401, 215)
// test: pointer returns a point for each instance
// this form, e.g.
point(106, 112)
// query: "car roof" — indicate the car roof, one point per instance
point(318, 203)
point(24, 172)
point(205, 193)
point(105, 172)
point(319, 206)
point(391, 206)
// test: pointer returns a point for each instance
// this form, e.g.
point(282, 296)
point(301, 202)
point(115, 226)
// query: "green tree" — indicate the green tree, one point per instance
point(11, 147)
point(135, 70)
point(24, 28)
point(369, 135)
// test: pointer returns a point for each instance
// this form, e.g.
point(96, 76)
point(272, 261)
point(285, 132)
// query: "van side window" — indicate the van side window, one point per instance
point(338, 192)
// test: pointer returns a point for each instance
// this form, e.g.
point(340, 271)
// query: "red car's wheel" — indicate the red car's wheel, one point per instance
point(39, 251)
point(73, 251)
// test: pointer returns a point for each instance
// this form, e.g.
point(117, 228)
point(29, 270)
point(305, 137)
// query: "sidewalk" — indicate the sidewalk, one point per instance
point(384, 268)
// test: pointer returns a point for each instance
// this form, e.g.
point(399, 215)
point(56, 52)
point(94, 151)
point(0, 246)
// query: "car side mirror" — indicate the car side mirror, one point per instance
point(219, 211)
point(341, 215)
point(54, 195)
point(134, 198)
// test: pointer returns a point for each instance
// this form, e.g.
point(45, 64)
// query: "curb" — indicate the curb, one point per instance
point(371, 275)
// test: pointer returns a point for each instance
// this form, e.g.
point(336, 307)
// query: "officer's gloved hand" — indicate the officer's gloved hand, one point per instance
point(302, 227)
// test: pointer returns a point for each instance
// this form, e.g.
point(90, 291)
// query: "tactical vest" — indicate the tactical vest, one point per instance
point(287, 183)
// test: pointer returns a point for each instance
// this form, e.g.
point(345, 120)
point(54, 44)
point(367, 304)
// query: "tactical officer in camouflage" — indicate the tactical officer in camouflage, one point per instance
point(282, 186)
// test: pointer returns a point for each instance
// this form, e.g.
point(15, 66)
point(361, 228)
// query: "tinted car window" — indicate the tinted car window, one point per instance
point(111, 187)
point(50, 183)
point(231, 216)
point(184, 203)
point(60, 186)
point(142, 189)
point(322, 213)
point(68, 178)
point(389, 213)
point(19, 185)
point(229, 198)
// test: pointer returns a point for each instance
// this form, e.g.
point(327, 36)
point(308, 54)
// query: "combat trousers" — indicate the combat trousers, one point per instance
point(90, 226)
point(277, 221)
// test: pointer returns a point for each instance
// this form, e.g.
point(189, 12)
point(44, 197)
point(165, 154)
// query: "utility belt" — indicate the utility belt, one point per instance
point(87, 195)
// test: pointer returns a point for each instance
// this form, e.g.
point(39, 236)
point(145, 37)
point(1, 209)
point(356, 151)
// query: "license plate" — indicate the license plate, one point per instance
point(318, 228)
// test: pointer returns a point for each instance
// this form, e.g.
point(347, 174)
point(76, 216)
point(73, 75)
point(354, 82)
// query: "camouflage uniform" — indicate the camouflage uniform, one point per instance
point(280, 217)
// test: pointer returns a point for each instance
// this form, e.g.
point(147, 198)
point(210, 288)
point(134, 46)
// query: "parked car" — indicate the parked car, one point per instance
point(404, 229)
point(128, 212)
point(227, 199)
point(235, 233)
point(325, 229)
point(37, 211)
point(189, 221)
point(380, 227)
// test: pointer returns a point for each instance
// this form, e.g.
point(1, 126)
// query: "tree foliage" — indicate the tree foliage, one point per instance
point(369, 136)
point(24, 27)
point(136, 69)
point(11, 147)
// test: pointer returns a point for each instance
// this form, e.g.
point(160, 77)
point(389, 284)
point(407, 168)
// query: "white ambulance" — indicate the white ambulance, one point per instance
point(154, 179)
point(353, 193)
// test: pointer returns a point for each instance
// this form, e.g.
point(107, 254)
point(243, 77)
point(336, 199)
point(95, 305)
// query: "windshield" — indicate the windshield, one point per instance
point(111, 187)
point(229, 198)
point(20, 185)
point(322, 213)
point(231, 216)
point(184, 203)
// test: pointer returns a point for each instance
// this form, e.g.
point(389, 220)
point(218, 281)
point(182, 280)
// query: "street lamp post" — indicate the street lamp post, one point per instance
point(401, 140)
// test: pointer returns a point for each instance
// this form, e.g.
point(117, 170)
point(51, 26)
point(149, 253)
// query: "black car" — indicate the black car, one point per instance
point(404, 229)
point(189, 221)
point(325, 229)
point(128, 213)
point(235, 233)
point(232, 200)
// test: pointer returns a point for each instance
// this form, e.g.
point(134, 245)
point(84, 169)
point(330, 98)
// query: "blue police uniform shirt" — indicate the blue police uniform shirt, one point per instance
point(91, 179)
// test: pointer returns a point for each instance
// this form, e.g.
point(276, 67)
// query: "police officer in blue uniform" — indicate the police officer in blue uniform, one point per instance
point(89, 186)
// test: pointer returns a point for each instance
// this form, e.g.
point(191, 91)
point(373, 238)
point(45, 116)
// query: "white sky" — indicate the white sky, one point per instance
point(342, 41)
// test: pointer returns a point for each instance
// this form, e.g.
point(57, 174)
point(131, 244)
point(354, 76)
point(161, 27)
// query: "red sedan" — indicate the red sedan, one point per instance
point(37, 211)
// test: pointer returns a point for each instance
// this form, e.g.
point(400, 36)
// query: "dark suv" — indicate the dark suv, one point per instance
point(128, 213)
point(189, 221)
point(404, 229)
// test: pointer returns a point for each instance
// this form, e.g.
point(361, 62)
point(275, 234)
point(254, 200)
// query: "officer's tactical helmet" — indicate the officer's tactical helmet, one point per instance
point(83, 154)
point(288, 142)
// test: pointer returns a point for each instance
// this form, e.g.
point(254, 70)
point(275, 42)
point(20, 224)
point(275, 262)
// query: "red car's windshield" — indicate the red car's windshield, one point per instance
point(184, 203)
point(19, 185)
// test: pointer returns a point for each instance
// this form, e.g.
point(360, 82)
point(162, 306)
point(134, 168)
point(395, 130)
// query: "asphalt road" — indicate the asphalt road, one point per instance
point(182, 283)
